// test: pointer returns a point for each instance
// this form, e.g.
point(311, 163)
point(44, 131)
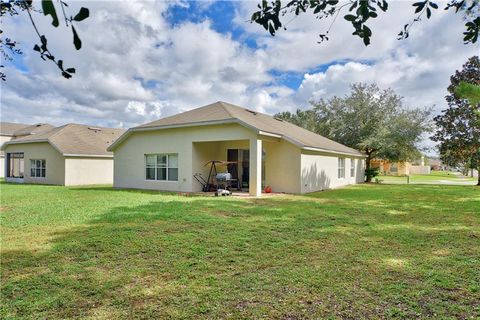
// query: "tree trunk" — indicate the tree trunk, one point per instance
point(368, 166)
point(478, 174)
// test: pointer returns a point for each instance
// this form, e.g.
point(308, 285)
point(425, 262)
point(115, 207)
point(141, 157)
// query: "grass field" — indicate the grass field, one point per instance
point(436, 177)
point(367, 251)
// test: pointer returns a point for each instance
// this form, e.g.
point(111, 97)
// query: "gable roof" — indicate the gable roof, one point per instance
point(9, 128)
point(222, 112)
point(75, 139)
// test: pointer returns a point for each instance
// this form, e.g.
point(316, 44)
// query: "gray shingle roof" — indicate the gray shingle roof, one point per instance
point(75, 139)
point(33, 129)
point(22, 129)
point(222, 111)
point(9, 128)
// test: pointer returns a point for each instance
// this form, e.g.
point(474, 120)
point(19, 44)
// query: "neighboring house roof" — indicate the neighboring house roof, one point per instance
point(222, 112)
point(33, 129)
point(22, 129)
point(75, 139)
point(16, 130)
point(9, 128)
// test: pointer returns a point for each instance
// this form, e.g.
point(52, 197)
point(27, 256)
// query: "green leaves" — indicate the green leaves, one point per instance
point(458, 126)
point(49, 9)
point(425, 5)
point(67, 73)
point(83, 14)
point(383, 5)
point(268, 16)
point(367, 33)
point(76, 39)
point(369, 119)
point(473, 28)
point(419, 6)
point(429, 13)
point(359, 12)
point(350, 17)
point(468, 91)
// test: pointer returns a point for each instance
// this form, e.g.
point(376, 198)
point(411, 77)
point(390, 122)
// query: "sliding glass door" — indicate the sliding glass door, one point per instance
point(15, 165)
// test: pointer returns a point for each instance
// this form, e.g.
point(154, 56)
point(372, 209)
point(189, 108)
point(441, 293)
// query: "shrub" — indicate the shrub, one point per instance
point(371, 173)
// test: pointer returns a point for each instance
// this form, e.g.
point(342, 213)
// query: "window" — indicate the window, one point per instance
point(37, 168)
point(341, 168)
point(394, 167)
point(163, 167)
point(352, 168)
point(15, 165)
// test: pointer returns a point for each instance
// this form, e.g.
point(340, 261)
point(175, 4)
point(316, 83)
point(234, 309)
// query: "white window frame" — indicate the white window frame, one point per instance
point(34, 167)
point(341, 168)
point(352, 167)
point(158, 165)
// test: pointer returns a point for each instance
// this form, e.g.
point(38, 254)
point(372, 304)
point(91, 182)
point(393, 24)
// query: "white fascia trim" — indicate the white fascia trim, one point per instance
point(333, 151)
point(11, 142)
point(26, 141)
point(87, 155)
point(268, 134)
point(187, 124)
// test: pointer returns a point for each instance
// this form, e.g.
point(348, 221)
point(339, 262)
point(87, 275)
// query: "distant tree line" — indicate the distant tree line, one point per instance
point(376, 122)
point(369, 119)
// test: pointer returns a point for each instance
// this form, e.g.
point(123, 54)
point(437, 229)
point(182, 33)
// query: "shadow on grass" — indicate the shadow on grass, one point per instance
point(112, 189)
point(279, 257)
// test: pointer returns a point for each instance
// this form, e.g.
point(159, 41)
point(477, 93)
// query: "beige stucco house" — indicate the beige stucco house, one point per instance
point(10, 131)
point(166, 154)
point(72, 154)
point(401, 168)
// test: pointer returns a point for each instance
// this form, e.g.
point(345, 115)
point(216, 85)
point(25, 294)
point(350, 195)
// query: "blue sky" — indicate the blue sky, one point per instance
point(221, 14)
point(148, 59)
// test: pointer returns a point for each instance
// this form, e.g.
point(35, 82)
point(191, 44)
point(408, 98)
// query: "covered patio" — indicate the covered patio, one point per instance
point(253, 163)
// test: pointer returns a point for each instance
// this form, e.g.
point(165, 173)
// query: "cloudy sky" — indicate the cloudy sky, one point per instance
point(145, 60)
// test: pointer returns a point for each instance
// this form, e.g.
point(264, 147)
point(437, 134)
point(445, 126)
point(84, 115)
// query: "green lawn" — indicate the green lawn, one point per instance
point(436, 177)
point(367, 251)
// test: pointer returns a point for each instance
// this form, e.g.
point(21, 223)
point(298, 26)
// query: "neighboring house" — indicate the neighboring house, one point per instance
point(72, 154)
point(10, 131)
point(165, 154)
point(400, 168)
point(436, 164)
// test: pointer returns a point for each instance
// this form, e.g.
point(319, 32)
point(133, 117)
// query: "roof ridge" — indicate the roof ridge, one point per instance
point(246, 109)
point(225, 107)
point(90, 126)
point(61, 128)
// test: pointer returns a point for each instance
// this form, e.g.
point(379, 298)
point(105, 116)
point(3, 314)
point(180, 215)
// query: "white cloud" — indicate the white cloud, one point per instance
point(134, 67)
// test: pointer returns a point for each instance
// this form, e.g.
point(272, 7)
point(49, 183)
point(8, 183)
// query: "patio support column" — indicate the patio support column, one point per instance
point(255, 181)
